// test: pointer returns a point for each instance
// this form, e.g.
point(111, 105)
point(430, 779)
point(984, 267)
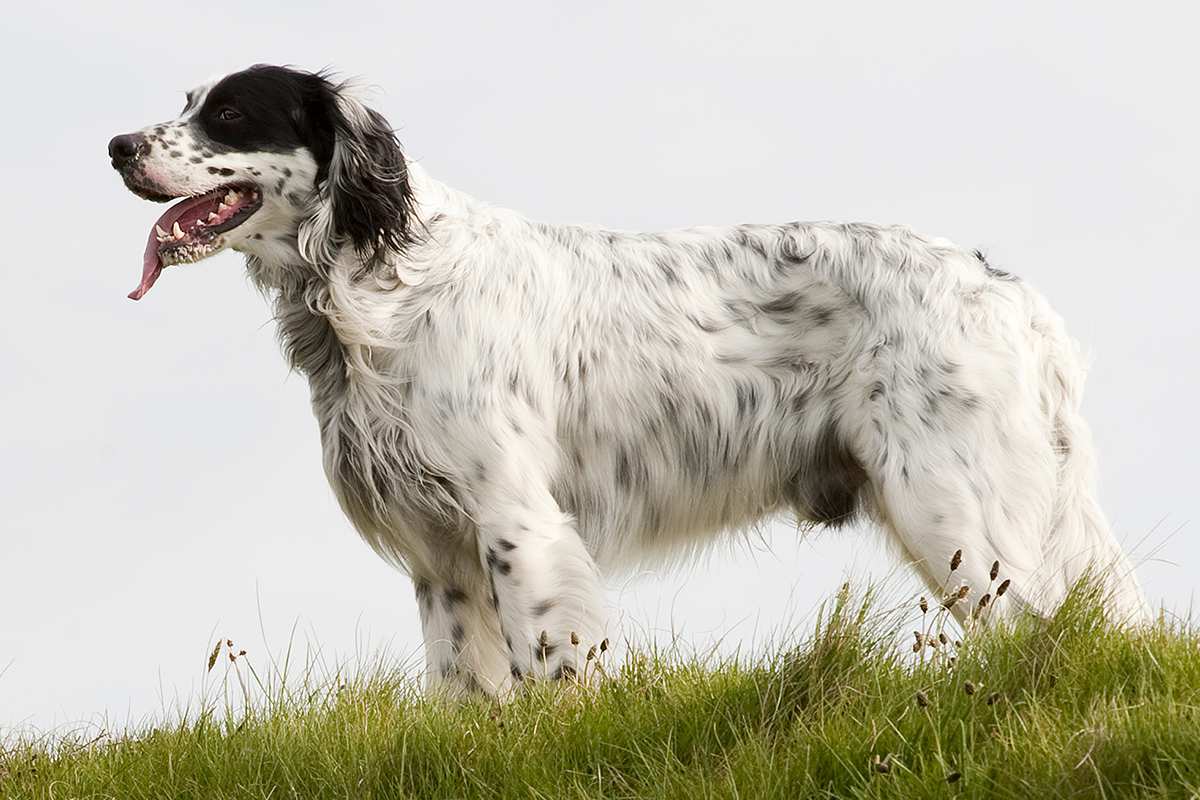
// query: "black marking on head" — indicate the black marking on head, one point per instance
point(543, 608)
point(268, 109)
point(196, 160)
point(226, 171)
point(361, 171)
point(176, 154)
point(505, 545)
point(457, 634)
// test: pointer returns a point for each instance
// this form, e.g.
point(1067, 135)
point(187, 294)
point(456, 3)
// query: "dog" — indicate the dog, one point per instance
point(507, 406)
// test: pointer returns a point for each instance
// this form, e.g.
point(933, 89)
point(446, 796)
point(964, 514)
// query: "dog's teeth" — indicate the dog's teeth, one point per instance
point(231, 197)
point(178, 231)
point(212, 216)
point(222, 208)
point(161, 233)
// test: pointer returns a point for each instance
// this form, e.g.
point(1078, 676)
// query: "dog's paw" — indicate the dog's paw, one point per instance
point(556, 658)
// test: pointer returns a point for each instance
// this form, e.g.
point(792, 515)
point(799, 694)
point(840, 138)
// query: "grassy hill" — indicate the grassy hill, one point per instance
point(1072, 707)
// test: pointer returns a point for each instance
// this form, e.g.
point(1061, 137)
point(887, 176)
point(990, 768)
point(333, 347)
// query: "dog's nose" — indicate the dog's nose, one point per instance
point(125, 148)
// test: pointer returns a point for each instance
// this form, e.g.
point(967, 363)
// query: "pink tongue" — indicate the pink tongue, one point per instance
point(152, 265)
point(151, 268)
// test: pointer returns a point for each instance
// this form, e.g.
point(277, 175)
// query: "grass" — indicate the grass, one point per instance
point(1067, 707)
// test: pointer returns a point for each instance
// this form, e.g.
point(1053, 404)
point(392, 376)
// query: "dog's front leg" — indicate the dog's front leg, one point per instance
point(463, 649)
point(544, 585)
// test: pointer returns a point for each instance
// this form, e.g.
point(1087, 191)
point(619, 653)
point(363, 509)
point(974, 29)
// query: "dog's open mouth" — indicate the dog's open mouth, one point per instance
point(193, 229)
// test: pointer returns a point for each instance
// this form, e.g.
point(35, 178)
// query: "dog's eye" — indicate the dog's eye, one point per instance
point(228, 114)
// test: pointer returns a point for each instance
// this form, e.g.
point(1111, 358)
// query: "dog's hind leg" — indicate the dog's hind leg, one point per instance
point(952, 470)
point(1079, 539)
point(988, 452)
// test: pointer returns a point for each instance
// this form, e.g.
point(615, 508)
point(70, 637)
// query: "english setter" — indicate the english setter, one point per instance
point(506, 405)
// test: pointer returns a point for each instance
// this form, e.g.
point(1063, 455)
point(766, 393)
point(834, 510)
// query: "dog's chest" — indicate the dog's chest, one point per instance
point(368, 451)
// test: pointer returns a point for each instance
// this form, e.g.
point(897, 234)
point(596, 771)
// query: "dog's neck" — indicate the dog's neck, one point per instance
point(276, 264)
point(330, 319)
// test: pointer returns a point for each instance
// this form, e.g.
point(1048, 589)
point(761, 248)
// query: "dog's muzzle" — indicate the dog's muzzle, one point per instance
point(126, 149)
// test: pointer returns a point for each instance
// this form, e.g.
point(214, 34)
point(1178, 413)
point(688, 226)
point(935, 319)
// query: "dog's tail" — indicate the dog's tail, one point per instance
point(1079, 542)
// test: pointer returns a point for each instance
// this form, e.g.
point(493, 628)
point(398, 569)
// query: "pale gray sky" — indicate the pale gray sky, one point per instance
point(160, 470)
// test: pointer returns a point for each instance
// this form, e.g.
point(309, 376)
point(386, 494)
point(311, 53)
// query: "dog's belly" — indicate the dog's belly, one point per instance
point(720, 451)
point(662, 513)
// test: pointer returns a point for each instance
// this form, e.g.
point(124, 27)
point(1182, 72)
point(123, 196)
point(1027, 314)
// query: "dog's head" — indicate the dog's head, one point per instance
point(269, 161)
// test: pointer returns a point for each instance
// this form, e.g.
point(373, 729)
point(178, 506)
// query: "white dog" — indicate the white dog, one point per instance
point(504, 404)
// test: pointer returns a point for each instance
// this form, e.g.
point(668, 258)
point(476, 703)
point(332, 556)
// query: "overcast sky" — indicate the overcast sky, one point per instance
point(161, 478)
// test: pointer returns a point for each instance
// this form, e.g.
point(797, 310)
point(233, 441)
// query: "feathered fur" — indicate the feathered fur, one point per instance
point(507, 407)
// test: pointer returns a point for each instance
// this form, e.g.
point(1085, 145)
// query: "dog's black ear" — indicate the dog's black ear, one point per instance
point(363, 195)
